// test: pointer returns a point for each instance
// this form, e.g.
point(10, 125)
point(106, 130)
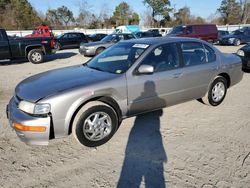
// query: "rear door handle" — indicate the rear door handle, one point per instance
point(177, 75)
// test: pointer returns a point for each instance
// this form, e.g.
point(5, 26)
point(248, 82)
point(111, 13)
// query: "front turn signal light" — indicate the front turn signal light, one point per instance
point(21, 127)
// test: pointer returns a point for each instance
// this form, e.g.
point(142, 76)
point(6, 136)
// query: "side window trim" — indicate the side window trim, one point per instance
point(207, 60)
point(200, 43)
point(154, 48)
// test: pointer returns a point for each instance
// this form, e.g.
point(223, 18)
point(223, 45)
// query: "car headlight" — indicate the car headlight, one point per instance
point(241, 53)
point(231, 40)
point(36, 109)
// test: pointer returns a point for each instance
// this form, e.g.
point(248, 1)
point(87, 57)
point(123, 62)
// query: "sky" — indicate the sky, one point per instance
point(203, 8)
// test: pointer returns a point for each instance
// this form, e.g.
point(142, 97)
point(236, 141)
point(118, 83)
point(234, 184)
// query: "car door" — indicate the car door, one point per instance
point(160, 89)
point(64, 40)
point(200, 66)
point(73, 40)
point(246, 36)
point(4, 47)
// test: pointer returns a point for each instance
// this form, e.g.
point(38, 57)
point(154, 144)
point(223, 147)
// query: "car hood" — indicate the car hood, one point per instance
point(48, 83)
point(96, 43)
point(229, 36)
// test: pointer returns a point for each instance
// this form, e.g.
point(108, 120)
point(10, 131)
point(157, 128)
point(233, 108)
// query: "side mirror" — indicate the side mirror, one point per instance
point(146, 69)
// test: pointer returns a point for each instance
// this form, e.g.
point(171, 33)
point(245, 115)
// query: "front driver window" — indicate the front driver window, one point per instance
point(163, 58)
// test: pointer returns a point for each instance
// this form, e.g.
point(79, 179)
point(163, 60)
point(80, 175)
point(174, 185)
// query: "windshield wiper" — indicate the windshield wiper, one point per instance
point(96, 68)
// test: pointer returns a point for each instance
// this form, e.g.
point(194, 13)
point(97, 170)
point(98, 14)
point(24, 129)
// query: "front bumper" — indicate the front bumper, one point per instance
point(86, 52)
point(245, 63)
point(30, 138)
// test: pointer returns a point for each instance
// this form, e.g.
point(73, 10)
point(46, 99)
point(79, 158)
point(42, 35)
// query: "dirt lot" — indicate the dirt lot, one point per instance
point(188, 145)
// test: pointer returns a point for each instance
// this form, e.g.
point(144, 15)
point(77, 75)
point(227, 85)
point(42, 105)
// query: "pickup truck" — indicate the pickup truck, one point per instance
point(32, 48)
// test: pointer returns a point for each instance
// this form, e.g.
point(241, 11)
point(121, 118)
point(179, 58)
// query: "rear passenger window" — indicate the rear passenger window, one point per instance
point(193, 53)
point(210, 53)
point(163, 58)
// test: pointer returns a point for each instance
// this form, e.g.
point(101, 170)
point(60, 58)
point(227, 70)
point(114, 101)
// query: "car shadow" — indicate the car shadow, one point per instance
point(145, 154)
point(61, 55)
point(246, 70)
point(47, 59)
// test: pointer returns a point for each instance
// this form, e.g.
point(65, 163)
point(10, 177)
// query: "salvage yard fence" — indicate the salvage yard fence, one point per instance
point(109, 31)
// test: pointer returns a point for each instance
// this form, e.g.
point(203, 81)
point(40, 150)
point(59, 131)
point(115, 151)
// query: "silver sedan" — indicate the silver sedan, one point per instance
point(129, 78)
point(94, 48)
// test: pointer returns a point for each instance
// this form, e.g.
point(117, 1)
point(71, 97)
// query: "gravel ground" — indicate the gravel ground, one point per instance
point(188, 145)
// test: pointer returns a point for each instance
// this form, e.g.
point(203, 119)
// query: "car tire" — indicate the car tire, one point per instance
point(58, 46)
point(95, 124)
point(99, 50)
point(216, 93)
point(35, 56)
point(237, 42)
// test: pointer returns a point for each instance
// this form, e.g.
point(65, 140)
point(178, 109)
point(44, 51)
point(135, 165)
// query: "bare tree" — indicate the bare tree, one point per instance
point(245, 7)
point(85, 14)
point(147, 18)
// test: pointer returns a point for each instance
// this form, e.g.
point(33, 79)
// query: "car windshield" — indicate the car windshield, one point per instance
point(237, 32)
point(176, 30)
point(108, 38)
point(118, 58)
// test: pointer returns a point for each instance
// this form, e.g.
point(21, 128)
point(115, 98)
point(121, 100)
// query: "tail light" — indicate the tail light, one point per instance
point(52, 43)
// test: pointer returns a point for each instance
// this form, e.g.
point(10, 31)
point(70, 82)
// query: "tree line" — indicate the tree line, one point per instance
point(19, 14)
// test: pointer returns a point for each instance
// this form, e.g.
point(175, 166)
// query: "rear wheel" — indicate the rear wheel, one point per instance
point(58, 46)
point(95, 124)
point(35, 56)
point(216, 92)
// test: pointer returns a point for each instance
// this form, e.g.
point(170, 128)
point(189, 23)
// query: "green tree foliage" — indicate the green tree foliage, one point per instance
point(18, 14)
point(123, 15)
point(230, 11)
point(160, 10)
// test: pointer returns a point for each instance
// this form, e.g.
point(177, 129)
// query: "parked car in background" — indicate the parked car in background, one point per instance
point(146, 34)
point(32, 48)
point(240, 36)
point(207, 32)
point(94, 48)
point(127, 79)
point(70, 40)
point(41, 31)
point(155, 32)
point(222, 33)
point(96, 37)
point(244, 54)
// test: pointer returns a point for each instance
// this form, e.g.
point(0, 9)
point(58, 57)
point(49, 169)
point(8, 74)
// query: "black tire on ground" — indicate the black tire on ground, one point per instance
point(87, 127)
point(58, 46)
point(237, 42)
point(99, 50)
point(216, 93)
point(35, 56)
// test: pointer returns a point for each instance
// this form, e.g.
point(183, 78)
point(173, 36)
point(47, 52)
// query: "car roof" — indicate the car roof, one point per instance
point(73, 33)
point(162, 40)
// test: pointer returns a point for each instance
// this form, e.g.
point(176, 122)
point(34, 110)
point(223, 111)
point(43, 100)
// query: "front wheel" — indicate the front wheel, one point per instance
point(216, 92)
point(35, 56)
point(95, 124)
point(237, 42)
